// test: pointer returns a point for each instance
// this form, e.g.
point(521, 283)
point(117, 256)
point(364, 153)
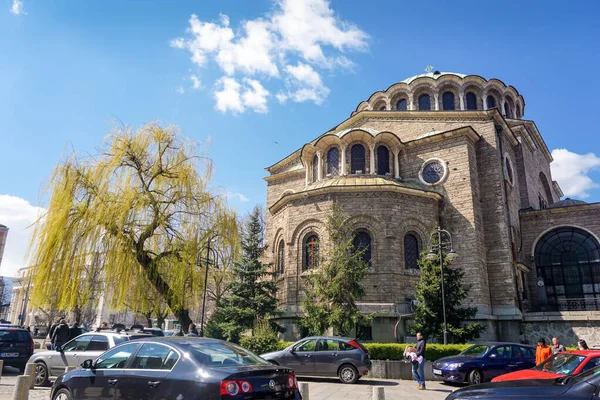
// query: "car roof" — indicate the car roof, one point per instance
point(347, 339)
point(584, 352)
point(492, 344)
point(12, 328)
point(114, 333)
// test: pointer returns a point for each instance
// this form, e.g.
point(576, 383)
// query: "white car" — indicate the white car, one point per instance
point(50, 364)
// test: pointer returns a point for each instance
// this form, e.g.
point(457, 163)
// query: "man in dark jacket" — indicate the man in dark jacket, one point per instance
point(51, 332)
point(74, 330)
point(418, 369)
point(61, 334)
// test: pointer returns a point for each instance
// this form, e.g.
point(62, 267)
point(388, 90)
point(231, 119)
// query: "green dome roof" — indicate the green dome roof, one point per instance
point(432, 75)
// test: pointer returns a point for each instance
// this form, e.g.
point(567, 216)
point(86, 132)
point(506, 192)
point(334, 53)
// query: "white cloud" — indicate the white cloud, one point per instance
point(180, 90)
point(304, 84)
point(17, 8)
point(238, 196)
point(17, 214)
point(196, 84)
point(230, 97)
point(294, 37)
point(571, 171)
point(255, 97)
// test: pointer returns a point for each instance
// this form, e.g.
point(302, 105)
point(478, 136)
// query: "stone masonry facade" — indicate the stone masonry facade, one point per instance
point(482, 174)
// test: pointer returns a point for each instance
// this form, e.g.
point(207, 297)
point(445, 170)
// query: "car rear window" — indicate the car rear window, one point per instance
point(9, 336)
point(216, 355)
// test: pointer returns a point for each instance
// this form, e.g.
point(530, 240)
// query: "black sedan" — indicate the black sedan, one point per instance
point(578, 387)
point(177, 368)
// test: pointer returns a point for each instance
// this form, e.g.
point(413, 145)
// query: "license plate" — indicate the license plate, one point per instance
point(437, 371)
point(7, 355)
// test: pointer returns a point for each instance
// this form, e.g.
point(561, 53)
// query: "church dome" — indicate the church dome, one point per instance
point(568, 202)
point(447, 91)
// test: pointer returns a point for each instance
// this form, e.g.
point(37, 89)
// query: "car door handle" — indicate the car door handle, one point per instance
point(112, 382)
point(307, 355)
point(512, 365)
point(334, 354)
point(153, 383)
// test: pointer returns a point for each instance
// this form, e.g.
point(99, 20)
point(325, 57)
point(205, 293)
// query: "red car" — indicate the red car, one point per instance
point(565, 363)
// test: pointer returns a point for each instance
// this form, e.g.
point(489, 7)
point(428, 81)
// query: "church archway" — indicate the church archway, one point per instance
point(567, 261)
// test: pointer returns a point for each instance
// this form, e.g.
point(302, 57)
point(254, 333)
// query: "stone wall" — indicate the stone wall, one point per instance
point(569, 327)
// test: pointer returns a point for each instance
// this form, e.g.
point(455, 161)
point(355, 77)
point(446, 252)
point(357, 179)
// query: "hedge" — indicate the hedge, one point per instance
point(395, 351)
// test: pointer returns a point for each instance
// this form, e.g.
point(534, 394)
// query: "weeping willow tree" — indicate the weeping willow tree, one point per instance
point(144, 206)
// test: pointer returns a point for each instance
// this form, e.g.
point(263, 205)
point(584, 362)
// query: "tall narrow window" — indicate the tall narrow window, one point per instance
point(357, 159)
point(491, 102)
point(281, 257)
point(383, 160)
point(311, 252)
point(315, 168)
point(507, 110)
point(401, 105)
point(424, 102)
point(471, 101)
point(518, 112)
point(411, 251)
point(333, 161)
point(448, 101)
point(362, 242)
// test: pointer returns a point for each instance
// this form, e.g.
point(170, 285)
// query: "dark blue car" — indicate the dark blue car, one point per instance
point(482, 362)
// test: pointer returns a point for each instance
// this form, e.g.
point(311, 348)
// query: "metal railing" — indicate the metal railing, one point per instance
point(582, 304)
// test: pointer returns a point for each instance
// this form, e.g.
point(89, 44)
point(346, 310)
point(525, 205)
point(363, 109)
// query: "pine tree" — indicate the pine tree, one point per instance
point(336, 285)
point(429, 319)
point(251, 294)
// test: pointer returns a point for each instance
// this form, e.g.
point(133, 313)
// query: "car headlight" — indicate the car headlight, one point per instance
point(455, 365)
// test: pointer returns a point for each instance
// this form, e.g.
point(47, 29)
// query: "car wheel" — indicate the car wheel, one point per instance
point(348, 374)
point(475, 377)
point(62, 394)
point(40, 377)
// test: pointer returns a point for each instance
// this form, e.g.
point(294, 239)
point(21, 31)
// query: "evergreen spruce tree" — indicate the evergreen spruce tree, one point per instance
point(251, 294)
point(336, 285)
point(429, 318)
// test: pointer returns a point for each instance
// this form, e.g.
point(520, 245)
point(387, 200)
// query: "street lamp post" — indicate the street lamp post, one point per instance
point(451, 254)
point(207, 263)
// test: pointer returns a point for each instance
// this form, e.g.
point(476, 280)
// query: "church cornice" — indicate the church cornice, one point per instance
point(559, 210)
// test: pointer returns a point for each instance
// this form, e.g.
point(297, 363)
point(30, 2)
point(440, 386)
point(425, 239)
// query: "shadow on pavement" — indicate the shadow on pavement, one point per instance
point(10, 371)
point(362, 381)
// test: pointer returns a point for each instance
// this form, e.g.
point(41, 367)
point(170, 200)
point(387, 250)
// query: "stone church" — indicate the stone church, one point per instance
point(454, 150)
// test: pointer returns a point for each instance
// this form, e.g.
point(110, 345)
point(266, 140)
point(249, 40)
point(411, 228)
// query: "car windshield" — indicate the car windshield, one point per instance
point(475, 351)
point(219, 354)
point(561, 363)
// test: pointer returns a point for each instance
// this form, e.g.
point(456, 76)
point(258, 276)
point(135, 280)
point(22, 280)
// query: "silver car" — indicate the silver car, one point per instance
point(324, 356)
point(50, 364)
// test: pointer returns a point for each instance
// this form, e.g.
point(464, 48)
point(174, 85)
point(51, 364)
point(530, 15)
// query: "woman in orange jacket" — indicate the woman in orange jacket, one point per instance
point(542, 351)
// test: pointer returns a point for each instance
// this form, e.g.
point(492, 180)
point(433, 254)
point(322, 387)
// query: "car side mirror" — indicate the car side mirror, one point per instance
point(292, 350)
point(87, 364)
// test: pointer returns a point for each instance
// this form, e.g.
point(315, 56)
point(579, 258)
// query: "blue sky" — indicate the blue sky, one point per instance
point(261, 78)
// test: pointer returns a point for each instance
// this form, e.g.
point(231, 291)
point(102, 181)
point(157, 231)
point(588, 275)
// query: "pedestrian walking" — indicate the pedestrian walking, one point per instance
point(556, 346)
point(418, 368)
point(542, 351)
point(51, 333)
point(192, 331)
point(74, 330)
point(582, 345)
point(61, 334)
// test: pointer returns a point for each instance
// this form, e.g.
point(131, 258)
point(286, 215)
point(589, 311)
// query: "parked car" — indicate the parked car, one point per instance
point(49, 343)
point(569, 387)
point(177, 367)
point(565, 363)
point(483, 362)
point(52, 363)
point(16, 346)
point(324, 356)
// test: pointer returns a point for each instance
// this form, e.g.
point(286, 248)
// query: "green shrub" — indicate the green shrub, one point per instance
point(263, 340)
point(395, 351)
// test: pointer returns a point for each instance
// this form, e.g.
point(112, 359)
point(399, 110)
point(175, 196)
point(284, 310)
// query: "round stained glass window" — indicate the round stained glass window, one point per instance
point(433, 172)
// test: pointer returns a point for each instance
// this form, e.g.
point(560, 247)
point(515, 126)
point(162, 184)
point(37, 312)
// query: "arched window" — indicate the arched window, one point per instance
point(471, 101)
point(568, 268)
point(411, 251)
point(448, 101)
point(357, 159)
point(315, 168)
point(311, 252)
point(491, 102)
point(546, 186)
point(383, 160)
point(333, 161)
point(507, 110)
point(401, 105)
point(281, 257)
point(518, 112)
point(424, 102)
point(362, 242)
